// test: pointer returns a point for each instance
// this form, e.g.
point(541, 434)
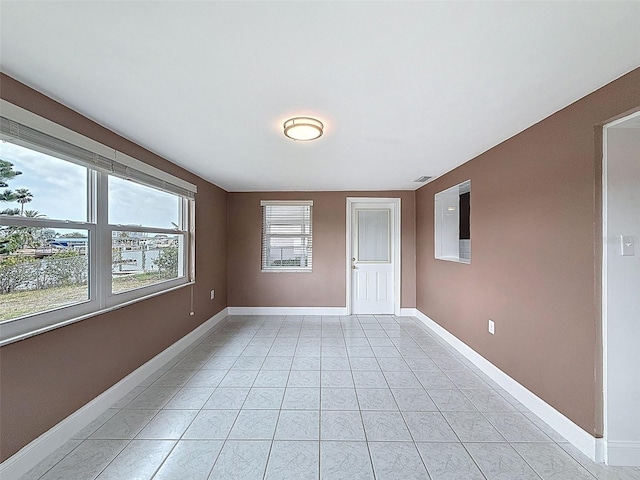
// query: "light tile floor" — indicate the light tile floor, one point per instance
point(360, 397)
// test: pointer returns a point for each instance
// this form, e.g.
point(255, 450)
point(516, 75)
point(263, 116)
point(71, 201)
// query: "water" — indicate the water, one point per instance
point(136, 261)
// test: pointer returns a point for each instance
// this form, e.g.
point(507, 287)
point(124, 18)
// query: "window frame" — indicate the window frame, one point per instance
point(112, 298)
point(101, 298)
point(265, 238)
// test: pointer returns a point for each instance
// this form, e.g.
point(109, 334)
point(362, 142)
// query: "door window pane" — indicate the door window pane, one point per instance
point(141, 259)
point(373, 236)
point(50, 269)
point(133, 204)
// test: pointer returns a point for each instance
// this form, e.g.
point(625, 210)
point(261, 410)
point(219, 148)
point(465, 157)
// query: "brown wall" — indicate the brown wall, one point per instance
point(535, 238)
point(326, 285)
point(47, 377)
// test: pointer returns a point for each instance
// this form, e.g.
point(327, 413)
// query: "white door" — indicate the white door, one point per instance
point(373, 257)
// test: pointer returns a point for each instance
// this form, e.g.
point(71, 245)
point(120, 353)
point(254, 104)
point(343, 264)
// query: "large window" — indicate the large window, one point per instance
point(83, 228)
point(286, 236)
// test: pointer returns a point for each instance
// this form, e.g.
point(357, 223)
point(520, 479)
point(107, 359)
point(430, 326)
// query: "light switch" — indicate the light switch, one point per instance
point(627, 245)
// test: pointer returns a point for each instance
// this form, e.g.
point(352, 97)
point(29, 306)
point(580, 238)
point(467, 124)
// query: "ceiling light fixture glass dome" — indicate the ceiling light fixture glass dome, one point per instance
point(303, 128)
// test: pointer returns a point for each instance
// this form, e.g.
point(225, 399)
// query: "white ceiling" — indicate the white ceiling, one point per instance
point(404, 88)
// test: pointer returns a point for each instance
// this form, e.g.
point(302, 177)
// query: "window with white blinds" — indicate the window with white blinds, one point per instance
point(287, 237)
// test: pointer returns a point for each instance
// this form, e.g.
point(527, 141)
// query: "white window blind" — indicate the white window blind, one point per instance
point(71, 146)
point(287, 238)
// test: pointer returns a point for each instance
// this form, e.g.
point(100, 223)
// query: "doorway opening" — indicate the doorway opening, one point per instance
point(620, 290)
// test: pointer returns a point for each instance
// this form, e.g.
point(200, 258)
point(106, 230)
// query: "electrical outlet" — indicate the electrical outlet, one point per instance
point(213, 294)
point(492, 327)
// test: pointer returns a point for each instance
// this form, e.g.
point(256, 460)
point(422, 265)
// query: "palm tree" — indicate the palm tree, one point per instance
point(33, 214)
point(7, 196)
point(23, 196)
point(7, 172)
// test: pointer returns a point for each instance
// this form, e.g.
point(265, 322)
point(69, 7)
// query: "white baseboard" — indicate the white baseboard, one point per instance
point(623, 454)
point(586, 443)
point(287, 310)
point(37, 450)
point(408, 312)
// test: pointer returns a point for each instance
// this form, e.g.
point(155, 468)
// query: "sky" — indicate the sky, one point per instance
point(59, 191)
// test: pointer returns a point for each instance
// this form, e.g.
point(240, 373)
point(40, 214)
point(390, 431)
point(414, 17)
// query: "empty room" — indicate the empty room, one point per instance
point(322, 240)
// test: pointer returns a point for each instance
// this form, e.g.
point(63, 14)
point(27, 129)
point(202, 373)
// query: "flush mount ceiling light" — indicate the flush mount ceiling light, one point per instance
point(303, 128)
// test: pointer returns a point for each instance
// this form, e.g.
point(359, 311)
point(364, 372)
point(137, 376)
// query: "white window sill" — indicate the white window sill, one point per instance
point(287, 270)
point(455, 260)
point(25, 335)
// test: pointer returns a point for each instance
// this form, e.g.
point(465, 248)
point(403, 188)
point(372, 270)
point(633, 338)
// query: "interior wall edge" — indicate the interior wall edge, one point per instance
point(598, 140)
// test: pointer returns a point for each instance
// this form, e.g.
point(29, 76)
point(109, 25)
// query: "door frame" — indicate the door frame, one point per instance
point(603, 455)
point(397, 247)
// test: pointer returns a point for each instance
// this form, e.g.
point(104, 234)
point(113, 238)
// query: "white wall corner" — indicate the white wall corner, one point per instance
point(582, 440)
point(620, 453)
point(37, 450)
point(287, 310)
point(601, 450)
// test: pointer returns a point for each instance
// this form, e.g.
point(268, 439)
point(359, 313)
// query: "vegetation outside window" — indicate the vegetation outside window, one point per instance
point(42, 266)
point(146, 244)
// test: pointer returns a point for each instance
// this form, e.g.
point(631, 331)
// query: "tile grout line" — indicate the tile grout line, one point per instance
point(275, 429)
point(447, 421)
point(366, 436)
point(224, 322)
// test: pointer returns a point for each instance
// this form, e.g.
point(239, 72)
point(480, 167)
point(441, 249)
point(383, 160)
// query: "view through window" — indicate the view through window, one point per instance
point(142, 257)
point(50, 227)
point(42, 266)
